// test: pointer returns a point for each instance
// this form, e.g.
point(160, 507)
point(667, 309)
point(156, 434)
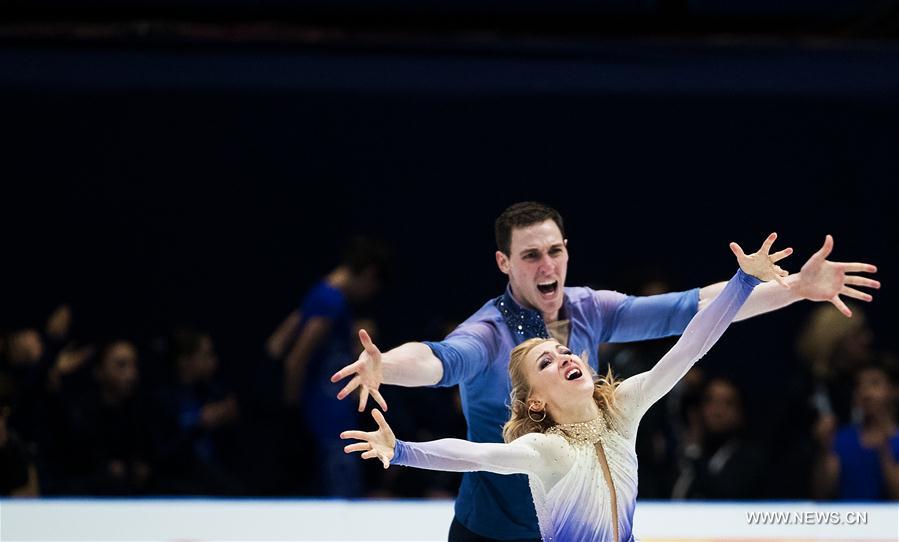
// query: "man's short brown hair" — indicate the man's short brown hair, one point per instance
point(522, 215)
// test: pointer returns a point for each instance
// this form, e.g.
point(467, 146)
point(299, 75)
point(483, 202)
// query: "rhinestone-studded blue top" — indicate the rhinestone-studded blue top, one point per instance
point(476, 357)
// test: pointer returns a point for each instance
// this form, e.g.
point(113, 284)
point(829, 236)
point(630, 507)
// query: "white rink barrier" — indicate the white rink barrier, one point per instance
point(210, 520)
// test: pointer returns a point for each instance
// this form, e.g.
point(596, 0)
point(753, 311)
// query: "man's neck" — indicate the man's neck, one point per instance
point(548, 318)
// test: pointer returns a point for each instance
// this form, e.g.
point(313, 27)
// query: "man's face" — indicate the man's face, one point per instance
point(537, 264)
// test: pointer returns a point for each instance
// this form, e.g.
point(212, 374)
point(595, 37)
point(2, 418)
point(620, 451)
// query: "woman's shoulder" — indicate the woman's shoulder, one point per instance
point(542, 442)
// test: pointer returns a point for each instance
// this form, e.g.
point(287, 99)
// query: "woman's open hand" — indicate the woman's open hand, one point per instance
point(761, 264)
point(378, 443)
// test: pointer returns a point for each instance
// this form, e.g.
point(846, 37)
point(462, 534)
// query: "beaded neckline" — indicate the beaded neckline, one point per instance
point(589, 432)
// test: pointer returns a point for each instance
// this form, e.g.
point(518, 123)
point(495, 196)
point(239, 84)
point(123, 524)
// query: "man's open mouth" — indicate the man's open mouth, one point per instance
point(548, 287)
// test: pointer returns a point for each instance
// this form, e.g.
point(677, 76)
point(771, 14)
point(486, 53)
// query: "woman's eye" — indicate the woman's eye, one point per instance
point(544, 363)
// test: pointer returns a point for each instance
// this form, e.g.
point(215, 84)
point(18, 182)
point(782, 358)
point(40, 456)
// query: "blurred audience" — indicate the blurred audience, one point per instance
point(99, 441)
point(860, 460)
point(198, 415)
point(720, 460)
point(18, 473)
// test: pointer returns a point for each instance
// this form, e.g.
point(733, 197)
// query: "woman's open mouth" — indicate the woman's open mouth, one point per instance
point(573, 374)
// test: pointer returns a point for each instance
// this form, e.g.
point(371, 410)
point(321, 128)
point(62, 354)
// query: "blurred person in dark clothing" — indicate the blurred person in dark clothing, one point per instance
point(34, 361)
point(199, 416)
point(315, 341)
point(722, 463)
point(832, 347)
point(860, 461)
point(101, 441)
point(18, 474)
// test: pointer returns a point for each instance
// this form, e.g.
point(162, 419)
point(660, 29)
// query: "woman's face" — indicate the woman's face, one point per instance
point(558, 379)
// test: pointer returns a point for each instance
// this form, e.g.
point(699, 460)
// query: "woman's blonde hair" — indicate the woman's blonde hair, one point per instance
point(519, 422)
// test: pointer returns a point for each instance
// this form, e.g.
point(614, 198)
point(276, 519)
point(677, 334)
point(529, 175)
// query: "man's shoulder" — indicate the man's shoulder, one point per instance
point(578, 295)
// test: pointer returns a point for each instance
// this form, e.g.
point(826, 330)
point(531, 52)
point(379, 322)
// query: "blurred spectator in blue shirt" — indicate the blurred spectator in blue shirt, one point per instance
point(860, 461)
point(315, 341)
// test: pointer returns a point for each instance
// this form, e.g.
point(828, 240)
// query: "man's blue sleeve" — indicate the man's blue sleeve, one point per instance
point(465, 352)
point(629, 318)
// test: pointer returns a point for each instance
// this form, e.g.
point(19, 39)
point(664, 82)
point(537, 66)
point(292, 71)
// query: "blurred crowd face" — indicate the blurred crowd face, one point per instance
point(722, 408)
point(537, 265)
point(118, 371)
point(874, 392)
point(204, 360)
point(364, 285)
point(25, 347)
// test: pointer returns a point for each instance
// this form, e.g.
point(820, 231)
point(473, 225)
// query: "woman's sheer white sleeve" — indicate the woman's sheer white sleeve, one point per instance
point(455, 455)
point(636, 394)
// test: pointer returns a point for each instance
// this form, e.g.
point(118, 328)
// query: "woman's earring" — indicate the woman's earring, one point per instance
point(532, 419)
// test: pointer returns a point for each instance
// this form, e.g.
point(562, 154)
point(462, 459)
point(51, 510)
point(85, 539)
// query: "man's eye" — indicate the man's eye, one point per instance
point(530, 256)
point(555, 251)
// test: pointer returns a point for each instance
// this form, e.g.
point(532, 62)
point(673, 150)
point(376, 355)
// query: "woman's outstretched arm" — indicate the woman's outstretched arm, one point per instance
point(638, 393)
point(454, 455)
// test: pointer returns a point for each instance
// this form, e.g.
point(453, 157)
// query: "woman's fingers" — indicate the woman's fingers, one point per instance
point(368, 345)
point(780, 255)
point(766, 244)
point(379, 419)
point(852, 292)
point(350, 369)
point(737, 250)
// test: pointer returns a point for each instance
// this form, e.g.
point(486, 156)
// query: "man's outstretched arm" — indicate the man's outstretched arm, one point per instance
point(819, 280)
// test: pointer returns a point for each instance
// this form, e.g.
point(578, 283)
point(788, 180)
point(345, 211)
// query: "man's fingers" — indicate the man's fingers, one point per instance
point(358, 447)
point(780, 255)
point(857, 267)
point(862, 281)
point(371, 454)
point(825, 249)
point(348, 389)
point(358, 435)
point(838, 303)
point(766, 244)
point(852, 292)
point(350, 369)
point(379, 399)
point(737, 250)
point(363, 398)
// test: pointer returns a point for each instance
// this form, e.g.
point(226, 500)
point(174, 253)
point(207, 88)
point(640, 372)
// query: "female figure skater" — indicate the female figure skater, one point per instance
point(572, 433)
